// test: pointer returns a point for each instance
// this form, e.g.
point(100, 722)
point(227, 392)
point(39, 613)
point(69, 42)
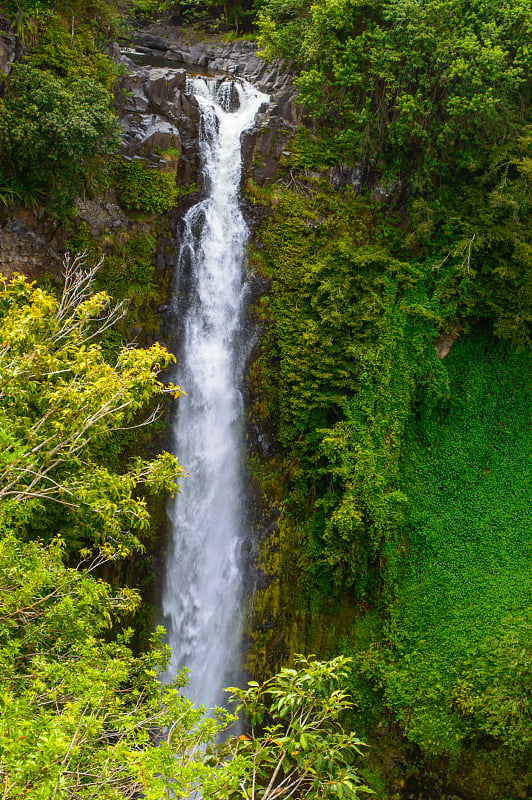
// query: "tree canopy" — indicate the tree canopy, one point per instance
point(409, 86)
point(60, 403)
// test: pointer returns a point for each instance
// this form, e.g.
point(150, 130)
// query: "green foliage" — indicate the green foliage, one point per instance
point(96, 10)
point(10, 190)
point(350, 342)
point(310, 151)
point(73, 56)
point(127, 271)
point(408, 85)
point(50, 130)
point(57, 114)
point(479, 228)
point(460, 630)
point(282, 28)
point(80, 715)
point(143, 188)
point(359, 292)
point(302, 749)
point(61, 401)
point(399, 485)
point(24, 19)
point(131, 263)
point(225, 14)
point(24, 189)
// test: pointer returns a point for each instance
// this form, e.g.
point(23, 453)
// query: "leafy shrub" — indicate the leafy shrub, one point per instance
point(57, 389)
point(130, 264)
point(74, 57)
point(50, 129)
point(142, 188)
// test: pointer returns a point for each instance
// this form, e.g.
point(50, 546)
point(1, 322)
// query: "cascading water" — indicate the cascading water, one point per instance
point(201, 592)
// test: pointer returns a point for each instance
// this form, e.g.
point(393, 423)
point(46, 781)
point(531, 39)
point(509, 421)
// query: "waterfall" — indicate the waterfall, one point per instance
point(202, 586)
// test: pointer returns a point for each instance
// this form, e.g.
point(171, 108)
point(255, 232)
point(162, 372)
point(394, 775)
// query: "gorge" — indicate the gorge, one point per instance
point(346, 287)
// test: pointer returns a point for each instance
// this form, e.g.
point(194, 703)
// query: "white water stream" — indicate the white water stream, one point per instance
point(202, 587)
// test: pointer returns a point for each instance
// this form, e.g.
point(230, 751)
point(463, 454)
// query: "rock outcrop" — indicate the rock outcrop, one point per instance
point(29, 245)
point(8, 49)
point(156, 116)
point(266, 142)
point(214, 55)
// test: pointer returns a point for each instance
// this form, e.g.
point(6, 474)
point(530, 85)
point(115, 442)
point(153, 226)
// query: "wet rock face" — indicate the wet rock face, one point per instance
point(443, 344)
point(7, 51)
point(30, 246)
point(102, 216)
point(229, 98)
point(264, 145)
point(156, 115)
point(232, 58)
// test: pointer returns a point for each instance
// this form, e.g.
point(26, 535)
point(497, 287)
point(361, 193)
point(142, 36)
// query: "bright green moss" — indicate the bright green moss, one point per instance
point(147, 189)
point(461, 625)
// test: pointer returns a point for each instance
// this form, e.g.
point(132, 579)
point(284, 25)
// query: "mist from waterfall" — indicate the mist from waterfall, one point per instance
point(201, 601)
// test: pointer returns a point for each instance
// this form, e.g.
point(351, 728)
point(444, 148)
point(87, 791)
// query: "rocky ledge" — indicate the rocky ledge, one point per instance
point(215, 55)
point(8, 49)
point(264, 145)
point(156, 116)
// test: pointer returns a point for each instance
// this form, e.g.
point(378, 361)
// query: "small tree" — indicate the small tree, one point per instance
point(82, 717)
point(297, 746)
point(61, 402)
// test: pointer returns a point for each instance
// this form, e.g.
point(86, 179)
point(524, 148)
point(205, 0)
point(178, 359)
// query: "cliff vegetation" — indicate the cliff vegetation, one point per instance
point(393, 378)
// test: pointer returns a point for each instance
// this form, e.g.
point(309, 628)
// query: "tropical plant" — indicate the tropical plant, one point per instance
point(82, 717)
point(10, 188)
point(60, 404)
point(297, 745)
point(24, 188)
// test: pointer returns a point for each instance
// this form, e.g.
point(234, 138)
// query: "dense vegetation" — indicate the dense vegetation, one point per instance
point(462, 612)
point(413, 88)
point(82, 715)
point(56, 116)
point(403, 480)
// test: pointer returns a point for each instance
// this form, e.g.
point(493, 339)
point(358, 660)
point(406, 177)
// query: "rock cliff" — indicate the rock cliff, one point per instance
point(264, 144)
point(156, 116)
point(159, 125)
